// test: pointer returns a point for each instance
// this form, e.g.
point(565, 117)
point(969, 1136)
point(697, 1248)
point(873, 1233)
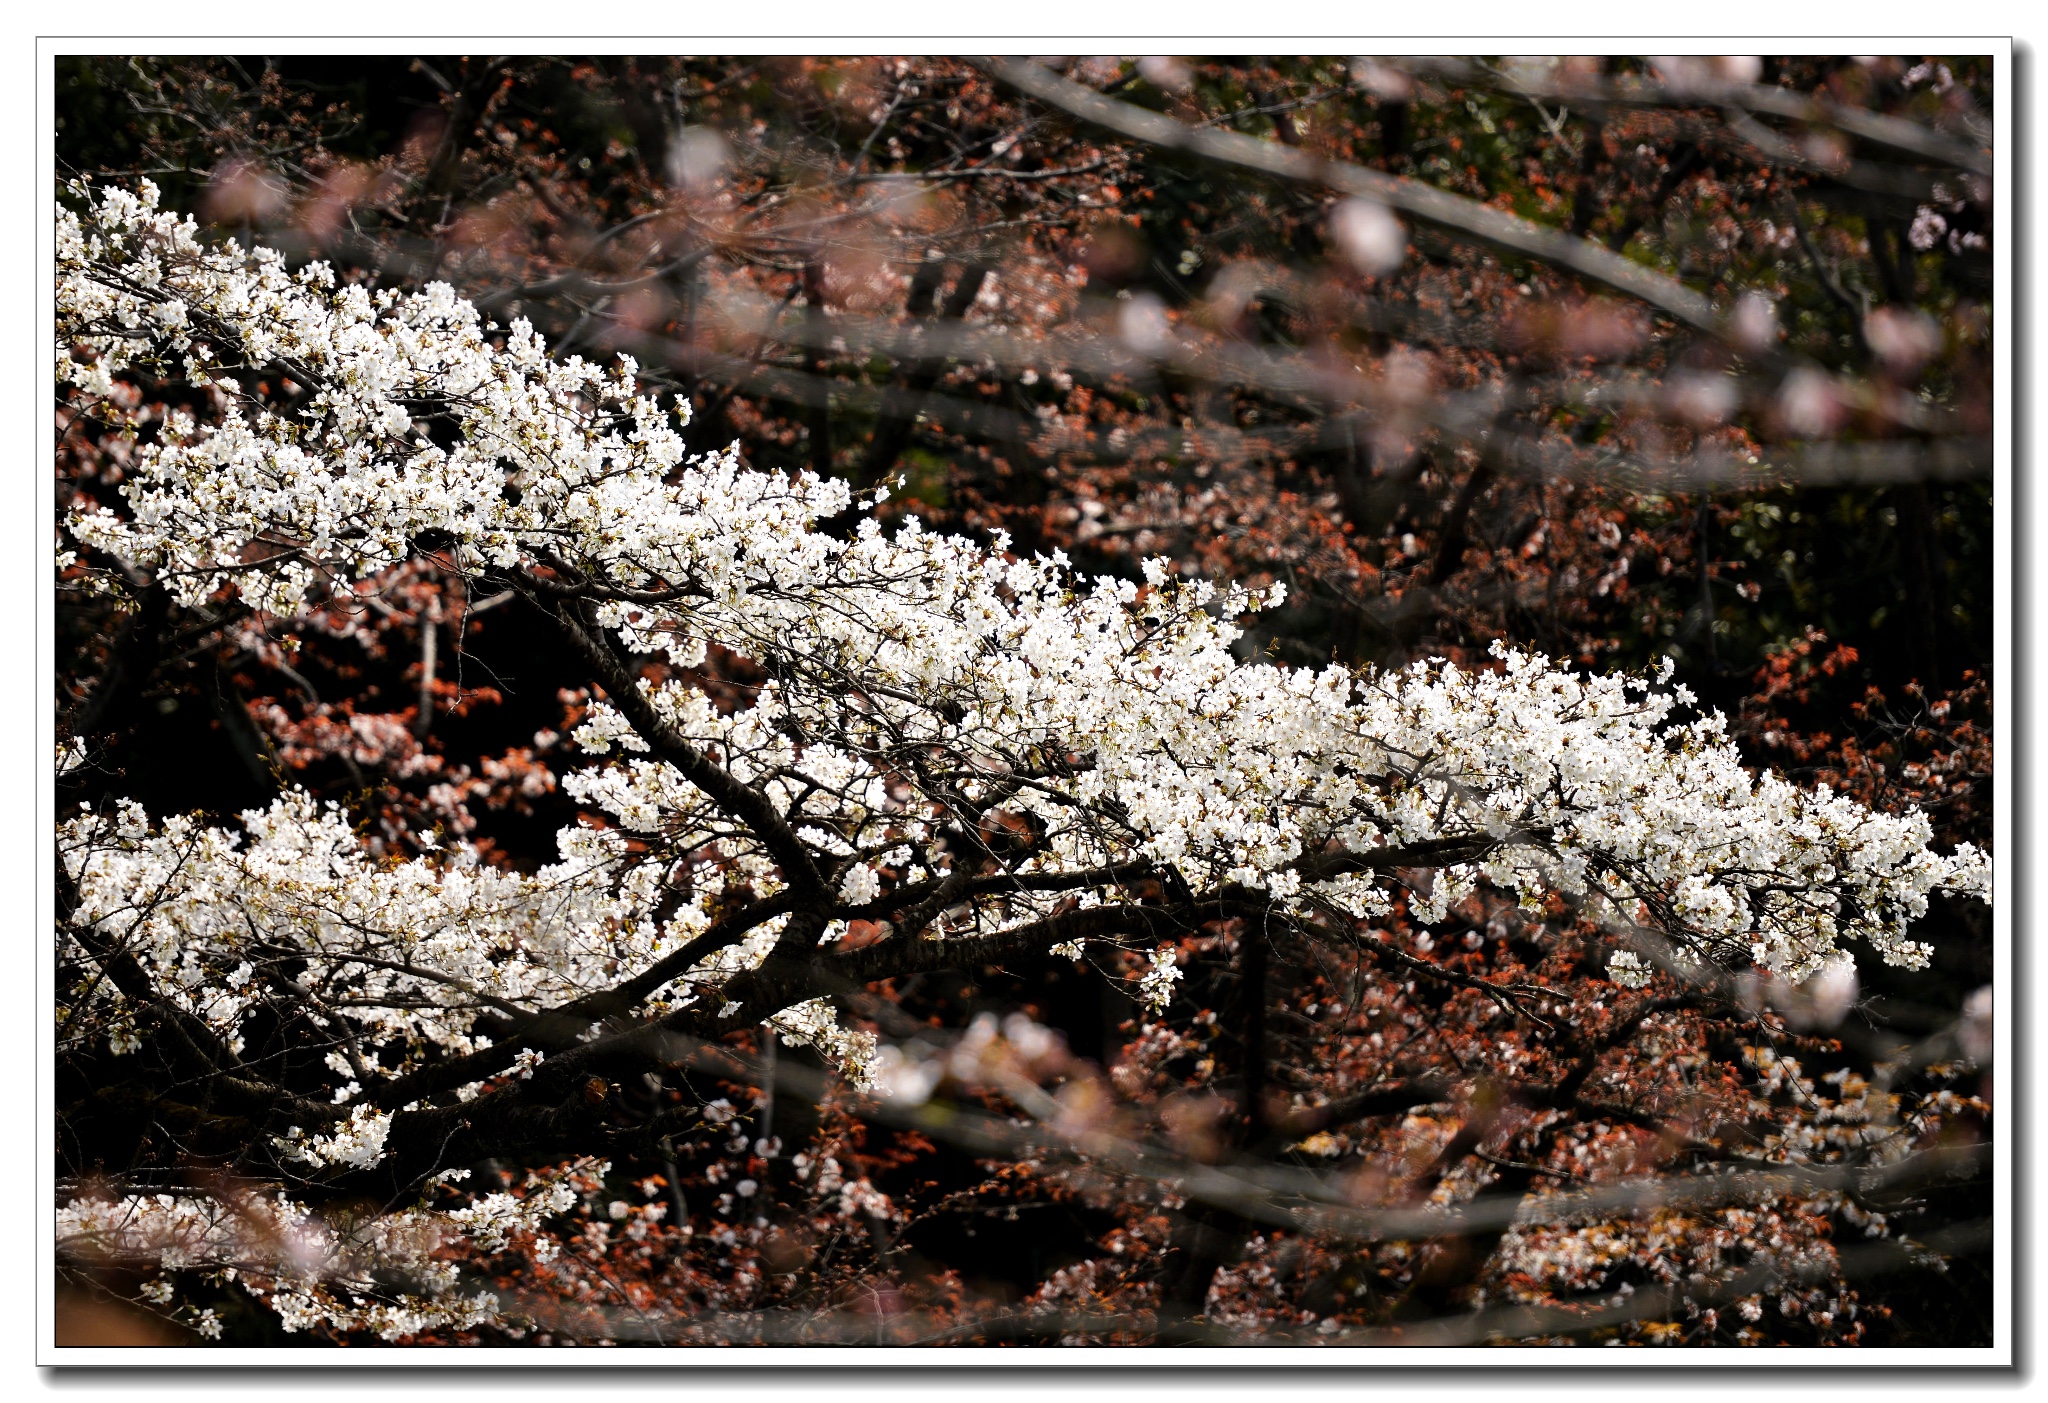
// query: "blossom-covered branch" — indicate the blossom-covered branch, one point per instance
point(970, 753)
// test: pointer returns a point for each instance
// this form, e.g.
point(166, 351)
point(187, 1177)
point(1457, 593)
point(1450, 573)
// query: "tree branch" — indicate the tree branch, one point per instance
point(748, 805)
point(1455, 213)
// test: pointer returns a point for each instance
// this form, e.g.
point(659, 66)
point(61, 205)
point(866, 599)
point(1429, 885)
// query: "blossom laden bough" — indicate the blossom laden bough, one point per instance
point(971, 754)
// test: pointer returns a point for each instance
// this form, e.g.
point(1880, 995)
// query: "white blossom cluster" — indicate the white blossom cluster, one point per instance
point(1116, 721)
point(919, 686)
point(554, 455)
point(814, 1024)
point(1155, 986)
point(1626, 968)
point(358, 1142)
point(1542, 1260)
point(399, 956)
point(310, 1269)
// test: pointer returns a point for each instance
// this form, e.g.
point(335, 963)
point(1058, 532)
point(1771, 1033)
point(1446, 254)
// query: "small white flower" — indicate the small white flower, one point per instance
point(1626, 968)
point(1155, 987)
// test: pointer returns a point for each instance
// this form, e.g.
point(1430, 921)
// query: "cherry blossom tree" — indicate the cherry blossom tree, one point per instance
point(821, 758)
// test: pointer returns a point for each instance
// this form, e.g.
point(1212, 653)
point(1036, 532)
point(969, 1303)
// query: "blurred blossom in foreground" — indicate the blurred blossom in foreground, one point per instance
point(341, 189)
point(1600, 328)
point(1902, 338)
point(1167, 74)
point(1826, 150)
point(1755, 323)
point(1831, 993)
point(1689, 73)
point(1369, 236)
point(904, 1078)
point(1387, 84)
point(697, 158)
point(1818, 1002)
point(1682, 73)
point(1143, 325)
point(1701, 400)
point(1974, 1033)
point(1809, 403)
point(242, 191)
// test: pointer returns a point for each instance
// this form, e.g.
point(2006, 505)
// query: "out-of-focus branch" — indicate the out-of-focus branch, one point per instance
point(1588, 90)
point(1305, 1200)
point(1470, 417)
point(1454, 213)
point(1500, 1324)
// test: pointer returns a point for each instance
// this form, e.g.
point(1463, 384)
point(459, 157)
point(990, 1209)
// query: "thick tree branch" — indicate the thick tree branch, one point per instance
point(560, 1027)
point(894, 958)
